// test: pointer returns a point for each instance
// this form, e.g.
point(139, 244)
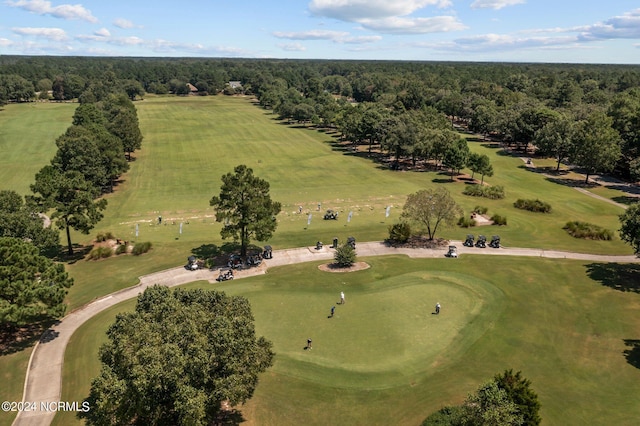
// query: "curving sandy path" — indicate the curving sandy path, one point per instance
point(43, 382)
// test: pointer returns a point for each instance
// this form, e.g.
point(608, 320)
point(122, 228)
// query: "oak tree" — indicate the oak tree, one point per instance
point(176, 359)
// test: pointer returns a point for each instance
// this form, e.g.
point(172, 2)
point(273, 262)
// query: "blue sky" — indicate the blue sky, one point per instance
point(474, 30)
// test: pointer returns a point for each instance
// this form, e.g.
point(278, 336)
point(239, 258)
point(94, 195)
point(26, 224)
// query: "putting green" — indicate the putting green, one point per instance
point(384, 335)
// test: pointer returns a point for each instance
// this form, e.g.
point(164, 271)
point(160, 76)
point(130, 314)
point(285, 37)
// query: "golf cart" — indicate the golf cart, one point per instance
point(235, 262)
point(352, 242)
point(225, 274)
point(453, 252)
point(495, 241)
point(319, 245)
point(482, 241)
point(192, 263)
point(267, 253)
point(331, 215)
point(254, 259)
point(469, 241)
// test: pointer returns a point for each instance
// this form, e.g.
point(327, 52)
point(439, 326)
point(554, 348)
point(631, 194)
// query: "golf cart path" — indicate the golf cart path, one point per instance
point(43, 381)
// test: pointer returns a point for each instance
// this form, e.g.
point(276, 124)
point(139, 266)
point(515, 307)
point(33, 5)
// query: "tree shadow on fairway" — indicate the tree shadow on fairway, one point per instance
point(626, 199)
point(619, 276)
point(18, 338)
point(229, 417)
point(633, 353)
point(206, 251)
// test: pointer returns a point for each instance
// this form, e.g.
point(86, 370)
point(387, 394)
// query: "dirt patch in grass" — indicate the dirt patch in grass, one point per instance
point(334, 267)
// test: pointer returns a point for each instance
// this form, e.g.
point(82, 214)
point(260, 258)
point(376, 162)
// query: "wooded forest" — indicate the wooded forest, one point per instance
point(587, 115)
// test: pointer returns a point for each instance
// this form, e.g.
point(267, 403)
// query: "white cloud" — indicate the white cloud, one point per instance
point(55, 34)
point(356, 10)
point(385, 16)
point(5, 42)
point(335, 36)
point(626, 26)
point(359, 39)
point(123, 23)
point(494, 4)
point(64, 11)
point(311, 35)
point(102, 32)
point(292, 47)
point(127, 41)
point(400, 25)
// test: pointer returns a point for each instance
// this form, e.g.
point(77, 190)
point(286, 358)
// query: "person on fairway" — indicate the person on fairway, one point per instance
point(437, 308)
point(309, 343)
point(333, 310)
point(342, 297)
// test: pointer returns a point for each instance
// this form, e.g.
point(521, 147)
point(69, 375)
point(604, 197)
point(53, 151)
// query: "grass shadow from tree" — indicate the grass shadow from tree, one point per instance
point(626, 199)
point(18, 338)
point(623, 277)
point(632, 354)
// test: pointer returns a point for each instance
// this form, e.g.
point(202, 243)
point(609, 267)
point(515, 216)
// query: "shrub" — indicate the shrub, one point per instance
point(345, 255)
point(104, 236)
point(140, 248)
point(400, 232)
point(466, 222)
point(473, 190)
point(99, 253)
point(587, 231)
point(533, 205)
point(122, 248)
point(480, 209)
point(492, 192)
point(499, 220)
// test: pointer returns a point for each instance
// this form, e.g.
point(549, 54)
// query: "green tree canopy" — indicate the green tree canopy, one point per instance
point(597, 145)
point(32, 287)
point(519, 390)
point(71, 197)
point(630, 227)
point(176, 358)
point(245, 207)
point(21, 221)
point(431, 207)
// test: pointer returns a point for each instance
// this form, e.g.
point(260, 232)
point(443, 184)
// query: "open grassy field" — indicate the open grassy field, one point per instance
point(384, 358)
point(27, 140)
point(550, 319)
point(190, 142)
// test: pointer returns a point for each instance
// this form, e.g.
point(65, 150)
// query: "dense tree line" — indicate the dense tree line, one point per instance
point(90, 158)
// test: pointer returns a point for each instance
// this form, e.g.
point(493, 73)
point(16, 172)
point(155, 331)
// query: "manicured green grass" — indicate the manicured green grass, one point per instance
point(386, 359)
point(190, 142)
point(528, 229)
point(27, 140)
point(12, 372)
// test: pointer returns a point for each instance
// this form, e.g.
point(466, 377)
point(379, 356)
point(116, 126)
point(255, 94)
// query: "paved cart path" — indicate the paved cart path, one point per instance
point(44, 373)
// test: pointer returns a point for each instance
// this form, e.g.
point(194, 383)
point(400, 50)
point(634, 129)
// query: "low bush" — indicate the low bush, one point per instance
point(140, 248)
point(492, 192)
point(122, 248)
point(400, 232)
point(99, 253)
point(473, 190)
point(345, 255)
point(104, 236)
point(532, 205)
point(499, 220)
point(587, 231)
point(466, 222)
point(480, 209)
